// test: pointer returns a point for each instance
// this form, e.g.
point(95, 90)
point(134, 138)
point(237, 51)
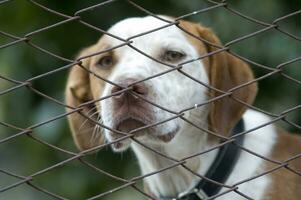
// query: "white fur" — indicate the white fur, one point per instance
point(260, 141)
point(176, 92)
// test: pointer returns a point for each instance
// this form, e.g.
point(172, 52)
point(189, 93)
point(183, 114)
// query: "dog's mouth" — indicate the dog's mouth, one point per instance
point(138, 128)
point(130, 125)
point(141, 130)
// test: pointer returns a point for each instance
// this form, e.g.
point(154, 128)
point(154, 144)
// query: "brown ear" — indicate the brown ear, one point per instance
point(78, 91)
point(226, 72)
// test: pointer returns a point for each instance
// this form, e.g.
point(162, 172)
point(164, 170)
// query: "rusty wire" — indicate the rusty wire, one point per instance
point(76, 17)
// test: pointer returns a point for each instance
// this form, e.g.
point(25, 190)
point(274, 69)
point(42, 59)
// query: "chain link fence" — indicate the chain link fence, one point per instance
point(30, 132)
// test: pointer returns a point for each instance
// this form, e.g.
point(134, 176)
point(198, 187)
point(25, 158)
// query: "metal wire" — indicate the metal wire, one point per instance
point(29, 132)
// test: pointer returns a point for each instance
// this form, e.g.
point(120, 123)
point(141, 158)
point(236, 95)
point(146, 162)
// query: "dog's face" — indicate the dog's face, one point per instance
point(172, 90)
point(144, 88)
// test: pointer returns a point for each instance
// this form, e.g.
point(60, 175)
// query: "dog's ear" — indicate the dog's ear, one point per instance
point(224, 72)
point(78, 91)
point(227, 72)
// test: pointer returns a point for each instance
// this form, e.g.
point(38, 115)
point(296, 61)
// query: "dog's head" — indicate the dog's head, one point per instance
point(149, 81)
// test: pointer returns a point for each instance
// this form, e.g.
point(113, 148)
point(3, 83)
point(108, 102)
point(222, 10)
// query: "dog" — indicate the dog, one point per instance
point(142, 83)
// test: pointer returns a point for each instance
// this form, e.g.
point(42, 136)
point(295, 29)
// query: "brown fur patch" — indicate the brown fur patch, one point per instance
point(197, 44)
point(285, 184)
point(224, 72)
point(82, 87)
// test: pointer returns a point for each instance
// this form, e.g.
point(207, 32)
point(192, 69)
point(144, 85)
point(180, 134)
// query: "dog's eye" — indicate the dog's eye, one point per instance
point(106, 61)
point(173, 56)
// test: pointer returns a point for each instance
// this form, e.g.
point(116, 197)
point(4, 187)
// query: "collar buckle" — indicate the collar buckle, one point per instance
point(199, 193)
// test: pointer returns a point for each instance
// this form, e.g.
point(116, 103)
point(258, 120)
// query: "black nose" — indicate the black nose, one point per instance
point(139, 88)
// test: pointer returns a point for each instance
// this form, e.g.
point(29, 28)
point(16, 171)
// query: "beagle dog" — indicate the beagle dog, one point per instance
point(165, 92)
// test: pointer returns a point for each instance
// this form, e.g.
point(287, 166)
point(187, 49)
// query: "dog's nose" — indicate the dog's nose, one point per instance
point(139, 88)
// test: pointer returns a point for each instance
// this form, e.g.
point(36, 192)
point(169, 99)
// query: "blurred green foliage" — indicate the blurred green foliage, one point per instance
point(23, 108)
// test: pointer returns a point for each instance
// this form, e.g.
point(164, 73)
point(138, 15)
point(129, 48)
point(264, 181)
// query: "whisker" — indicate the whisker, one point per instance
point(97, 131)
point(90, 116)
point(88, 113)
point(84, 131)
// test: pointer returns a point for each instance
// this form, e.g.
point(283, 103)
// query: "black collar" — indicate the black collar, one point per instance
point(219, 170)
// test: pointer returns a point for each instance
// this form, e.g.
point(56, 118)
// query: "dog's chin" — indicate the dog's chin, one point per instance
point(121, 145)
point(169, 136)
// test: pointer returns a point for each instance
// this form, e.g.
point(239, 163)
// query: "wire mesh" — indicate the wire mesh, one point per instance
point(29, 132)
